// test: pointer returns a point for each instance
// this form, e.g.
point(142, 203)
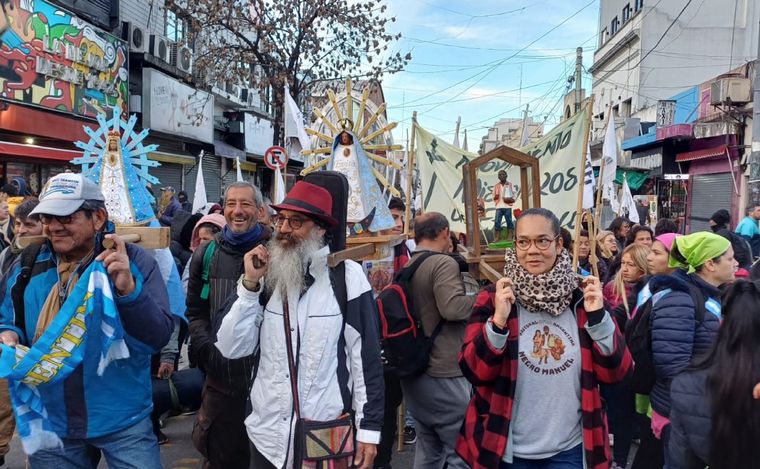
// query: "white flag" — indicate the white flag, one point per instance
point(279, 187)
point(609, 193)
point(628, 202)
point(296, 138)
point(464, 143)
point(609, 154)
point(456, 132)
point(588, 183)
point(239, 172)
point(199, 199)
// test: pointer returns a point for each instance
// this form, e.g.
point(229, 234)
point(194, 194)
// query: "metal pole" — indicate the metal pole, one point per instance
point(754, 173)
point(578, 70)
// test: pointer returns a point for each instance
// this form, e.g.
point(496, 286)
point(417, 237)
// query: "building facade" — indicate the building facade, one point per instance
point(509, 132)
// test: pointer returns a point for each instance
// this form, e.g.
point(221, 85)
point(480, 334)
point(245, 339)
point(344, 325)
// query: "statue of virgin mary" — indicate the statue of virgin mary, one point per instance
point(348, 157)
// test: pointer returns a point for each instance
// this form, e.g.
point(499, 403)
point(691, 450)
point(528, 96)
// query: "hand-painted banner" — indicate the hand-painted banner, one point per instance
point(559, 152)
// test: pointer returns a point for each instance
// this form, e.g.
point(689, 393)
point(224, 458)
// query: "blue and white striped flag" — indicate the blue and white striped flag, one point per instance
point(59, 351)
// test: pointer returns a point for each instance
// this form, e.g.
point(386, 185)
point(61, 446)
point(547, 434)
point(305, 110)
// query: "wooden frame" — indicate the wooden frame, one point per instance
point(470, 173)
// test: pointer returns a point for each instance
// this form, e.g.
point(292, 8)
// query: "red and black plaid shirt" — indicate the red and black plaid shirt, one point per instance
point(483, 438)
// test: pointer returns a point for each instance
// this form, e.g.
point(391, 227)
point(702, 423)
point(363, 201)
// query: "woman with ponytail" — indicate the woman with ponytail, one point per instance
point(715, 417)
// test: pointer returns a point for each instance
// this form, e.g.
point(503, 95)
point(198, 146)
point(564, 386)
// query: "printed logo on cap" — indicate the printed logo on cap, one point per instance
point(64, 185)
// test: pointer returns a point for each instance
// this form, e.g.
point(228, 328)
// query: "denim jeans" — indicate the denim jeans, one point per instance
point(505, 213)
point(134, 447)
point(570, 459)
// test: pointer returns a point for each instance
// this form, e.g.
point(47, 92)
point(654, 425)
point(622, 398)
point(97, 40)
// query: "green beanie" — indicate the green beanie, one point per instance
point(691, 251)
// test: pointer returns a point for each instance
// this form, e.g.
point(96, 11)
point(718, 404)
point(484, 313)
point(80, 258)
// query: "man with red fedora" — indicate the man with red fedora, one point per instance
point(289, 313)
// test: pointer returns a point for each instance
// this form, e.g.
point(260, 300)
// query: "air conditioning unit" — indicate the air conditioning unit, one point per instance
point(233, 90)
point(732, 89)
point(182, 57)
point(135, 103)
point(136, 37)
point(160, 48)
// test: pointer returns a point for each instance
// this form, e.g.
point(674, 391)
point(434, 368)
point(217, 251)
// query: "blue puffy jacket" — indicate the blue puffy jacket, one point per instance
point(691, 421)
point(86, 405)
point(676, 338)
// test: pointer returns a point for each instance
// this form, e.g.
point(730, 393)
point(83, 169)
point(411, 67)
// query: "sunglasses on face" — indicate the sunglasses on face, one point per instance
point(62, 219)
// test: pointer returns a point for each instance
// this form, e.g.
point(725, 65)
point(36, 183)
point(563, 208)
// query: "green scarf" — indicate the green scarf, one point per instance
point(691, 251)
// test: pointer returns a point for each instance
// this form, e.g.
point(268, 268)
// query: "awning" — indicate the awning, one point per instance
point(246, 166)
point(228, 151)
point(24, 150)
point(635, 178)
point(720, 150)
point(165, 157)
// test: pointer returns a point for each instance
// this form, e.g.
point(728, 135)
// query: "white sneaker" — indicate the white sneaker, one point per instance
point(612, 439)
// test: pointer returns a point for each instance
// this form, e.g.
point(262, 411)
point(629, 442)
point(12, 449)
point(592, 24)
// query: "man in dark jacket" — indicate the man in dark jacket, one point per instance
point(219, 432)
point(719, 223)
point(168, 207)
point(677, 335)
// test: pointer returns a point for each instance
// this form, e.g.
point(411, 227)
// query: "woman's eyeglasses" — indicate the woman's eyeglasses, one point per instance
point(542, 244)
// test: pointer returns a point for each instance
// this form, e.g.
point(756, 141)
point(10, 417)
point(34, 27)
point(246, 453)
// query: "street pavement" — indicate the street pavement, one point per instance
point(179, 452)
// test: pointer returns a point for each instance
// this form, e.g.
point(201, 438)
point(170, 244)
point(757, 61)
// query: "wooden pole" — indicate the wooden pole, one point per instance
point(599, 203)
point(579, 204)
point(592, 244)
point(410, 175)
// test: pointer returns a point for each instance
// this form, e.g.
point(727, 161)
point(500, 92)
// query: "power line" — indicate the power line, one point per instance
point(485, 73)
point(664, 33)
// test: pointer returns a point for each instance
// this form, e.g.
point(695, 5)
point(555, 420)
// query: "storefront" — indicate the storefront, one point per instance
point(67, 88)
point(714, 180)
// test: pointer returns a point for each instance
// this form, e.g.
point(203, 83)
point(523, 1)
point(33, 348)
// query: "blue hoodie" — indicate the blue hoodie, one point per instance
point(86, 405)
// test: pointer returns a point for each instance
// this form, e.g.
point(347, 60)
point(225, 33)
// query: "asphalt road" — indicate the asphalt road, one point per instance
point(179, 452)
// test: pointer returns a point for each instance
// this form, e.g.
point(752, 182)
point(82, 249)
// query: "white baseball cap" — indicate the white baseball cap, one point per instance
point(65, 193)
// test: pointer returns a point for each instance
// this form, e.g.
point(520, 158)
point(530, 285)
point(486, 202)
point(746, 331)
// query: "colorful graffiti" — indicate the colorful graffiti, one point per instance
point(53, 59)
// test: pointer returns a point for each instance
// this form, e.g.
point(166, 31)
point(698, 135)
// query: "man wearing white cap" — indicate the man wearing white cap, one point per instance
point(83, 320)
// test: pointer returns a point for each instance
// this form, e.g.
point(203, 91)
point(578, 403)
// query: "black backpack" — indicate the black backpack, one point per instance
point(638, 338)
point(404, 345)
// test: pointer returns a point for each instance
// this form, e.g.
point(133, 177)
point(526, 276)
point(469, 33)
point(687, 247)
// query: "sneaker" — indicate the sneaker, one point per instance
point(410, 436)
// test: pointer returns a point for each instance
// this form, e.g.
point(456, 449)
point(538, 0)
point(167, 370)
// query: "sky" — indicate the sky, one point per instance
point(485, 60)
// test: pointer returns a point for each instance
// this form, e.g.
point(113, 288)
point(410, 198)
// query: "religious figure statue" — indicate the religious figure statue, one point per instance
point(348, 157)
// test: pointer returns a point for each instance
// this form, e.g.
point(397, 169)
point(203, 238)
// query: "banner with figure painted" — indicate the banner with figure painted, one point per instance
point(559, 152)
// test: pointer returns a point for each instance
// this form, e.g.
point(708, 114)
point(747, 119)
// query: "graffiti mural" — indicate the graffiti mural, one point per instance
point(50, 58)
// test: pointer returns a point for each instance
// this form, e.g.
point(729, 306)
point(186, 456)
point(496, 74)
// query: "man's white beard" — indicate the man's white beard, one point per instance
point(287, 265)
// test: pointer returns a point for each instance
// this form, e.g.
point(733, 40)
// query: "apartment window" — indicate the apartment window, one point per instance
point(614, 26)
point(626, 12)
point(603, 36)
point(625, 108)
point(176, 27)
point(638, 5)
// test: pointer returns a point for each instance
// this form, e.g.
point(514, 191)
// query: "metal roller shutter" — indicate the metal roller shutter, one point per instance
point(168, 174)
point(709, 193)
point(212, 177)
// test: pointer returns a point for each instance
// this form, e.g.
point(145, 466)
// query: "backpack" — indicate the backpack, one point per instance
point(27, 258)
point(638, 338)
point(405, 347)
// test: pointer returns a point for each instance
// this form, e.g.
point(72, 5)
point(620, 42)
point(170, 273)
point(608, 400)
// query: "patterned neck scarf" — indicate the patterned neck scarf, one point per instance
point(550, 292)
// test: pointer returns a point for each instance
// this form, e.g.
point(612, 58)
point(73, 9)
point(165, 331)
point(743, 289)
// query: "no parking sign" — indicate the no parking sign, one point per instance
point(276, 157)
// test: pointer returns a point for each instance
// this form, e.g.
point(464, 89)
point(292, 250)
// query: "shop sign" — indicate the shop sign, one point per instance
point(647, 159)
point(676, 177)
point(172, 107)
point(259, 134)
point(53, 59)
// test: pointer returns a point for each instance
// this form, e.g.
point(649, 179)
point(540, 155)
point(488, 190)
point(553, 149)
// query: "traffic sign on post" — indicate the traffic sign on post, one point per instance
point(276, 157)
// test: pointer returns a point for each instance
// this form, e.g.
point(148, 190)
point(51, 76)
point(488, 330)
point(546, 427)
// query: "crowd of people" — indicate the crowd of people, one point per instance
point(649, 336)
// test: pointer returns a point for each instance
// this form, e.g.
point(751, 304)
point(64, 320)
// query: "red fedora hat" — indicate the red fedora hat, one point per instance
point(311, 200)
